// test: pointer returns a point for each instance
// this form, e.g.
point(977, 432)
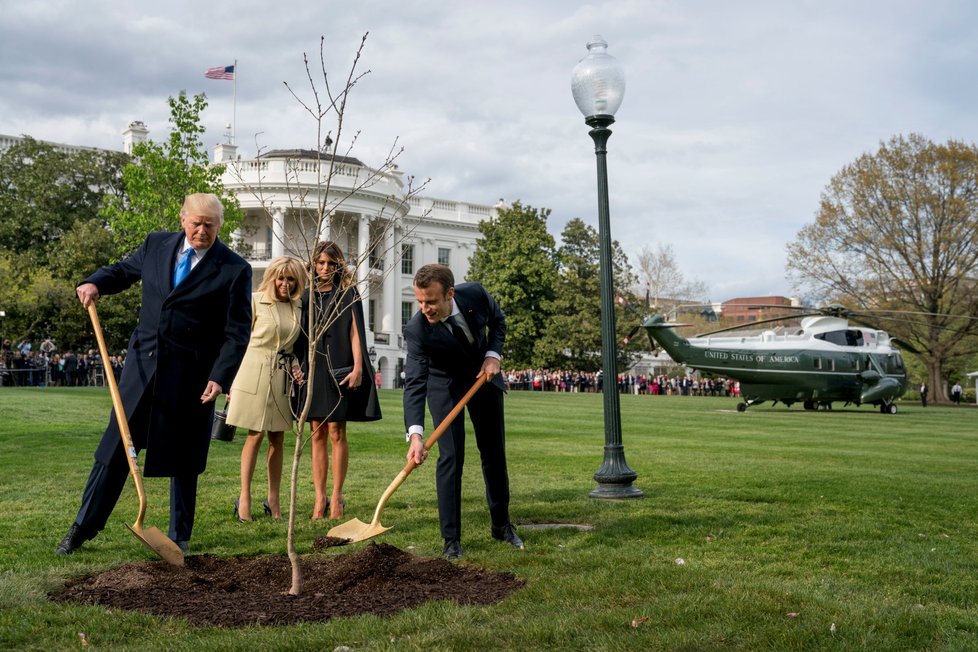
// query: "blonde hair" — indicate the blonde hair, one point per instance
point(283, 266)
point(204, 204)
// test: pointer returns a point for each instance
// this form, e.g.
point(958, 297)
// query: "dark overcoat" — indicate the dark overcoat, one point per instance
point(185, 337)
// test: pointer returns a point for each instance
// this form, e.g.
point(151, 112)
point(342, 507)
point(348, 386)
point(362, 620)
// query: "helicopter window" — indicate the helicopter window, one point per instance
point(848, 337)
point(894, 363)
point(833, 337)
point(818, 362)
point(832, 364)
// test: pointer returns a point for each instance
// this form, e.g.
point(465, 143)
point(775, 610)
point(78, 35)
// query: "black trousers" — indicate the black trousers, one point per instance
point(105, 485)
point(106, 482)
point(486, 412)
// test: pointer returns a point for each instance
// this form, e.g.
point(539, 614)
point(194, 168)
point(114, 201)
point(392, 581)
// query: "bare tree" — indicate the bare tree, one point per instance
point(662, 282)
point(315, 208)
point(898, 230)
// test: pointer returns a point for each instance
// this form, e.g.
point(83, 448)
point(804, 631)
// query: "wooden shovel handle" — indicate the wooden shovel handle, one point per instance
point(411, 465)
point(447, 421)
point(120, 417)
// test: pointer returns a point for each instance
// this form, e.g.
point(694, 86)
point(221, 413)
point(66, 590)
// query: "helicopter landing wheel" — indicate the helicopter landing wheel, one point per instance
point(888, 409)
point(741, 407)
point(809, 405)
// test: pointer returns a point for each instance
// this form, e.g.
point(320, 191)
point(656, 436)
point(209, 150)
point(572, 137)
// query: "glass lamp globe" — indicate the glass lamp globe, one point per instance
point(598, 81)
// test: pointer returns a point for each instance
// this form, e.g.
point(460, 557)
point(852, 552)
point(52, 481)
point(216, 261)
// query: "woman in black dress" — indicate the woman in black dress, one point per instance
point(342, 387)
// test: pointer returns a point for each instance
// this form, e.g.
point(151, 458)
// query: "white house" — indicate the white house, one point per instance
point(385, 232)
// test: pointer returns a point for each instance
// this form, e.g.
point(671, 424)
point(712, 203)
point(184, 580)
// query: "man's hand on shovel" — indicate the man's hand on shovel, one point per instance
point(417, 452)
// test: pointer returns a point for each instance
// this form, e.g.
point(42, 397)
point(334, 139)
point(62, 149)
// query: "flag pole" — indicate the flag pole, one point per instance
point(234, 102)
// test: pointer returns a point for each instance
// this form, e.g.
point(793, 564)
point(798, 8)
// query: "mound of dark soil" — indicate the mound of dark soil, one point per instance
point(377, 579)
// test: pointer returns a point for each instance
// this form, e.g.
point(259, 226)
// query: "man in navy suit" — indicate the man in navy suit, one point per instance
point(194, 326)
point(457, 336)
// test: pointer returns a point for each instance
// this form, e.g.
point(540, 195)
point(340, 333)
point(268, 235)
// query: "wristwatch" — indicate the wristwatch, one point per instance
point(407, 436)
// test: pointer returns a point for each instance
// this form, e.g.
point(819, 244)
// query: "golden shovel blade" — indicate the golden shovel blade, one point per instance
point(159, 543)
point(356, 530)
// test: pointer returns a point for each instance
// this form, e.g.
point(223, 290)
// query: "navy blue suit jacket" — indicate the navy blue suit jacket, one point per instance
point(437, 366)
point(185, 337)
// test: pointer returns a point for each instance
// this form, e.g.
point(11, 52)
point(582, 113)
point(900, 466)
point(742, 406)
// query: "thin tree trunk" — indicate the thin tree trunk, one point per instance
point(296, 587)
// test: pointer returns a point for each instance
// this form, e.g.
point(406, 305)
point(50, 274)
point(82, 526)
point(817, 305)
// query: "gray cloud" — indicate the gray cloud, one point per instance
point(735, 118)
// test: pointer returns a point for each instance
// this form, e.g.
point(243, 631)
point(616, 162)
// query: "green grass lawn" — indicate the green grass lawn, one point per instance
point(775, 529)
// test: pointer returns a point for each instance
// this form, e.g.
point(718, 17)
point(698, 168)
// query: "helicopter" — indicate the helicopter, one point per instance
point(826, 360)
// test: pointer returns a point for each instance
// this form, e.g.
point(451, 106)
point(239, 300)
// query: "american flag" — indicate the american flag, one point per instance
point(221, 72)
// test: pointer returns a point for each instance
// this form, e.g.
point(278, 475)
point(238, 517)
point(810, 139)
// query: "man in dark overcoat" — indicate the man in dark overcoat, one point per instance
point(194, 326)
point(458, 335)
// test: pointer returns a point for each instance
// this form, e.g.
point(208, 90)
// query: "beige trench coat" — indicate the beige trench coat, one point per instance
point(259, 393)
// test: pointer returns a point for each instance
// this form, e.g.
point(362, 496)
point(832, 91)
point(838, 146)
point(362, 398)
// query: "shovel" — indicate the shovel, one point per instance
point(357, 530)
point(155, 540)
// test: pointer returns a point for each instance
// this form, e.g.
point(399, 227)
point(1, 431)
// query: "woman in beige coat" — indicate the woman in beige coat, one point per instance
point(259, 396)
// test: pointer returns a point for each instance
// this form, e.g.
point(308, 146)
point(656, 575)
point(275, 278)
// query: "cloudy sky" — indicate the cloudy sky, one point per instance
point(735, 117)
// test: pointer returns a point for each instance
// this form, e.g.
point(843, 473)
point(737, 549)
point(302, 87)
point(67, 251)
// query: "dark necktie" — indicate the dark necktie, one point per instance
point(459, 332)
point(183, 266)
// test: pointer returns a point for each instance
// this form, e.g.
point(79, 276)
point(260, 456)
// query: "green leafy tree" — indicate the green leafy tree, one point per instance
point(41, 304)
point(47, 198)
point(35, 303)
point(572, 339)
point(163, 174)
point(898, 230)
point(516, 261)
point(45, 191)
point(14, 298)
point(85, 248)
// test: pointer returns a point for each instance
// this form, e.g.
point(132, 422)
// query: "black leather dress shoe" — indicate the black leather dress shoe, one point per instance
point(71, 541)
point(453, 550)
point(183, 545)
point(508, 534)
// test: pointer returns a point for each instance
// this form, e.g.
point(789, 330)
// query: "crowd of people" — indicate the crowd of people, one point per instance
point(22, 366)
point(563, 380)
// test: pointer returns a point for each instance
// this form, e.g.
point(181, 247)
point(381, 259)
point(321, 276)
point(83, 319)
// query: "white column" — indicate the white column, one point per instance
point(391, 310)
point(363, 256)
point(324, 228)
point(278, 233)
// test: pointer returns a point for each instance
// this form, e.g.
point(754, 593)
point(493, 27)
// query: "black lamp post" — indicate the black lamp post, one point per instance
point(598, 84)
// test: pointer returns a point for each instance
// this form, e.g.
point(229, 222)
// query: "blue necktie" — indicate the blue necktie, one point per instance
point(183, 266)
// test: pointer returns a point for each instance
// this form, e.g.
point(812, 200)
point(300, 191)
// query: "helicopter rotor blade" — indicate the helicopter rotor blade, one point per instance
point(859, 319)
point(905, 345)
point(752, 324)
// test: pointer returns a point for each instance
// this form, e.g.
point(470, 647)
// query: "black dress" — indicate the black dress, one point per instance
point(330, 402)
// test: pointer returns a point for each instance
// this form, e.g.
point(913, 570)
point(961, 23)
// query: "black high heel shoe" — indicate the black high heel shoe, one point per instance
point(268, 508)
point(237, 515)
